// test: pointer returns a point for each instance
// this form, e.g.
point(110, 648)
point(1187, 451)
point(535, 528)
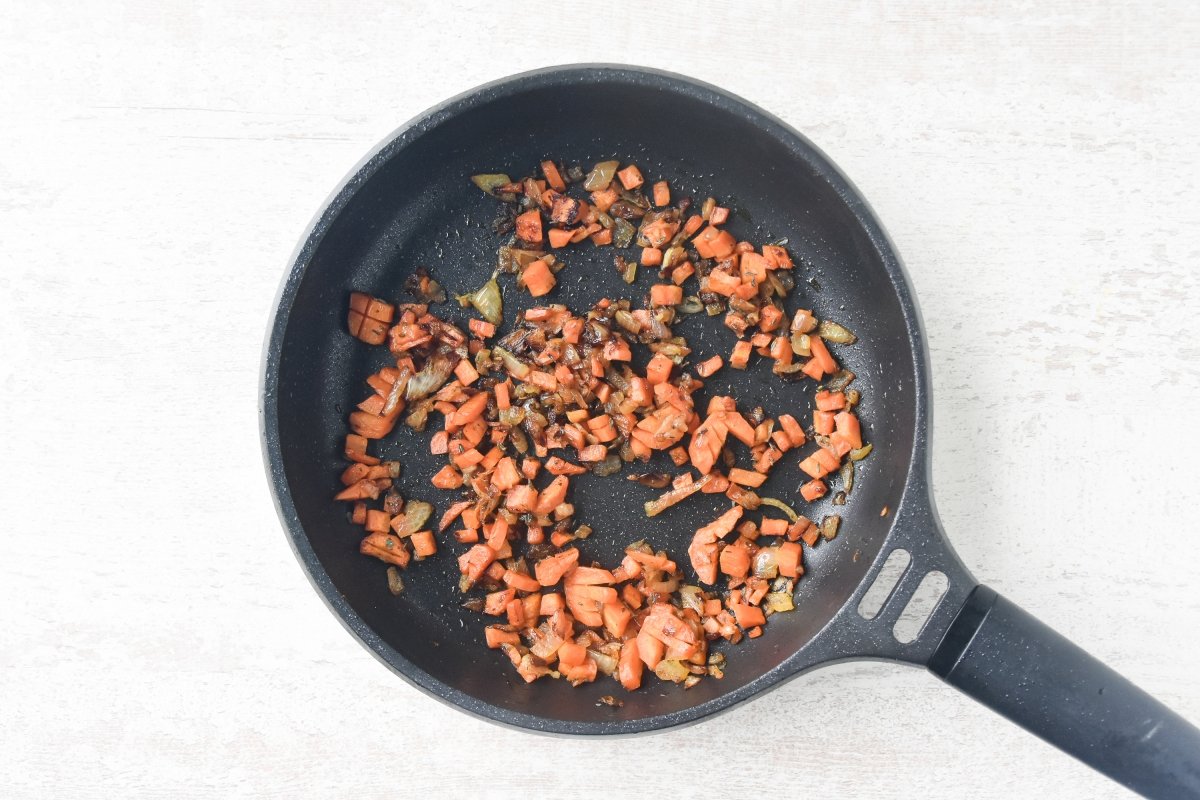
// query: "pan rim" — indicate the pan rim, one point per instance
point(915, 484)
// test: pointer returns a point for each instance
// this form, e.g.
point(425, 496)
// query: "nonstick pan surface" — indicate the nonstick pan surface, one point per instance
point(410, 204)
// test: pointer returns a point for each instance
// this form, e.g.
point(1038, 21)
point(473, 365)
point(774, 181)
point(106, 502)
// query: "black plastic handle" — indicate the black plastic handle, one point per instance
point(1006, 659)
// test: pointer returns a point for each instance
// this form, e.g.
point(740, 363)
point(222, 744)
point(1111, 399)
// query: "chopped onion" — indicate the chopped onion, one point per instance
point(623, 232)
point(604, 662)
point(862, 452)
point(416, 514)
point(846, 473)
point(490, 182)
point(394, 581)
point(829, 526)
point(779, 601)
point(432, 377)
point(830, 331)
point(671, 670)
point(601, 176)
point(486, 300)
point(782, 506)
point(800, 344)
point(766, 563)
point(611, 465)
point(840, 380)
point(691, 597)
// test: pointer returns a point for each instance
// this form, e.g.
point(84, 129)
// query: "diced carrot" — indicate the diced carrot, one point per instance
point(792, 428)
point(495, 603)
point(521, 498)
point(616, 349)
point(703, 548)
point(593, 452)
point(482, 328)
point(604, 198)
point(770, 318)
point(682, 273)
point(475, 561)
point(658, 370)
point(828, 459)
point(740, 356)
point(603, 237)
point(812, 368)
point(357, 450)
point(631, 177)
point(746, 478)
point(814, 489)
point(776, 256)
point(821, 354)
point(543, 380)
point(721, 282)
point(679, 456)
point(520, 581)
point(371, 426)
point(538, 278)
point(666, 294)
point(707, 441)
point(529, 226)
point(355, 473)
point(552, 568)
point(848, 427)
point(505, 475)
point(447, 478)
point(649, 649)
point(706, 368)
point(386, 547)
point(714, 243)
point(378, 521)
point(359, 515)
point(662, 193)
point(495, 636)
point(424, 545)
point(719, 215)
point(629, 665)
point(748, 616)
point(773, 527)
point(465, 372)
point(553, 177)
point(823, 422)
point(530, 467)
point(735, 560)
point(651, 257)
point(552, 495)
point(373, 405)
point(830, 401)
point(559, 237)
point(470, 410)
point(788, 560)
point(754, 269)
point(740, 428)
point(811, 467)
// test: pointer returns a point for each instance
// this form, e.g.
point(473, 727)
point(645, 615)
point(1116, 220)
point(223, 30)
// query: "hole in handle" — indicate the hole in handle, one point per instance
point(876, 597)
point(920, 606)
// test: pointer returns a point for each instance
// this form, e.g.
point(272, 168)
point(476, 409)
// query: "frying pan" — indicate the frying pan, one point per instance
point(409, 203)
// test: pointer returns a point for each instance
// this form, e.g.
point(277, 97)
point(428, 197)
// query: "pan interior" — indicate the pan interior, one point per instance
point(418, 208)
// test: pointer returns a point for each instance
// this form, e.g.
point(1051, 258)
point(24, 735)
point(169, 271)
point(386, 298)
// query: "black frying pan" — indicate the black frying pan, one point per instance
point(410, 204)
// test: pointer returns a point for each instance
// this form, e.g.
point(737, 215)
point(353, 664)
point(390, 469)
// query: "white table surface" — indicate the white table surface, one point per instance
point(1036, 165)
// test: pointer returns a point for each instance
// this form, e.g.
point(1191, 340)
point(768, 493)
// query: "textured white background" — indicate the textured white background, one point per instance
point(1036, 164)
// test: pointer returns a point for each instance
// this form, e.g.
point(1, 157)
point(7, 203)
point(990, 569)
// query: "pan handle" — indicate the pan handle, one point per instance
point(1015, 665)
